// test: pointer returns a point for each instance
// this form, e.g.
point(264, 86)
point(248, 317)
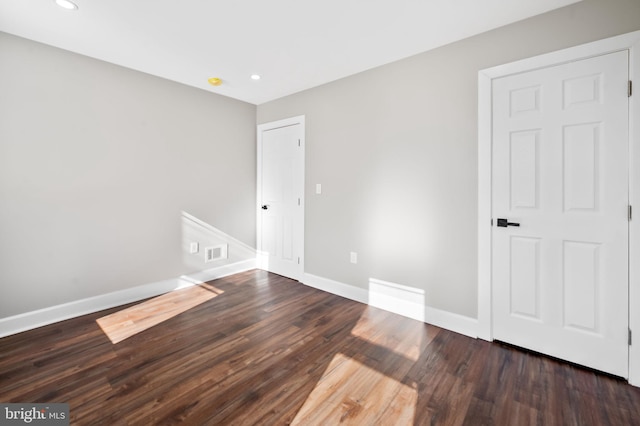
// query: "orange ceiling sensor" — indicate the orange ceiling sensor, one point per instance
point(215, 81)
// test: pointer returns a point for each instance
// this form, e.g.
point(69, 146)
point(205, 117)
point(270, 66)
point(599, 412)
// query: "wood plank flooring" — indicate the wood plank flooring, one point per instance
point(128, 322)
point(270, 351)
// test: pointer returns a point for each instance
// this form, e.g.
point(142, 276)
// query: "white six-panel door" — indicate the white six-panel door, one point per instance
point(281, 185)
point(560, 160)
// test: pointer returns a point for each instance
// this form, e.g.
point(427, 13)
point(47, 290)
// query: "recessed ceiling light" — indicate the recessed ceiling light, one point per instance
point(255, 77)
point(67, 4)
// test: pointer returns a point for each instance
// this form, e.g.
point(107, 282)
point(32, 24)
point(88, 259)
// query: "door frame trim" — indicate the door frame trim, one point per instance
point(261, 260)
point(629, 42)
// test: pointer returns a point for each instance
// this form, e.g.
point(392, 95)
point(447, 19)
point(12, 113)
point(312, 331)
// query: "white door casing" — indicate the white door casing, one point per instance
point(560, 149)
point(627, 42)
point(280, 196)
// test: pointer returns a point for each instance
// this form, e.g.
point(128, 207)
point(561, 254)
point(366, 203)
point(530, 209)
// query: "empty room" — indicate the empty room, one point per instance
point(318, 213)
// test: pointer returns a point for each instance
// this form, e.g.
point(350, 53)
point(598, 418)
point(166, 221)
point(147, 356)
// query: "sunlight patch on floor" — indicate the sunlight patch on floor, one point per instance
point(135, 319)
point(358, 386)
point(371, 327)
point(352, 393)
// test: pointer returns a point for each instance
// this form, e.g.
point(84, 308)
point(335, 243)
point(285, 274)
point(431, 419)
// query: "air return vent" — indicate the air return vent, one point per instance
point(215, 253)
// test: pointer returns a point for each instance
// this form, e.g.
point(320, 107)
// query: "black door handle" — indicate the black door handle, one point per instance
point(265, 207)
point(503, 223)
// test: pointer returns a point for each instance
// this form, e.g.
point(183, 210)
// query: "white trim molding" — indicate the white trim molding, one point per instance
point(396, 298)
point(629, 42)
point(30, 320)
point(335, 287)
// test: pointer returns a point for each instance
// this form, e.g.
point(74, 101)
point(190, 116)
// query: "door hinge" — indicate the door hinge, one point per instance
point(629, 337)
point(630, 91)
point(491, 222)
point(298, 261)
point(298, 142)
point(630, 213)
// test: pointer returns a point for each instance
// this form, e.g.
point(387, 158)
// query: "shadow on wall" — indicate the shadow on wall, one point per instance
point(205, 246)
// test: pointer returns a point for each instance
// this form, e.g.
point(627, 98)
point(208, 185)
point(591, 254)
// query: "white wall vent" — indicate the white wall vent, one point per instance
point(215, 253)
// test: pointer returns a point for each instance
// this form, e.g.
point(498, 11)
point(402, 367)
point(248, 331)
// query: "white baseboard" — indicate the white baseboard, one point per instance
point(30, 320)
point(399, 299)
point(452, 322)
point(391, 297)
point(334, 287)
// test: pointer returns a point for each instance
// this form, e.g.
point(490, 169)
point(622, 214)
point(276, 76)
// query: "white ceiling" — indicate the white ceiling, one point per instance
point(293, 44)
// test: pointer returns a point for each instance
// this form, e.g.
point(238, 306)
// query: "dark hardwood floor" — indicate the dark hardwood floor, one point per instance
point(268, 350)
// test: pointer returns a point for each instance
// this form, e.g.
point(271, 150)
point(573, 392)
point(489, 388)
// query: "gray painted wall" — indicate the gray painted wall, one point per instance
point(98, 164)
point(395, 150)
point(102, 167)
